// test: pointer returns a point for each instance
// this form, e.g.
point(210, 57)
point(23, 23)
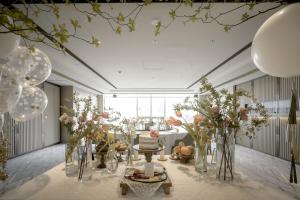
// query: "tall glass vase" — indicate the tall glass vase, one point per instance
point(71, 161)
point(85, 162)
point(111, 161)
point(225, 155)
point(129, 157)
point(200, 158)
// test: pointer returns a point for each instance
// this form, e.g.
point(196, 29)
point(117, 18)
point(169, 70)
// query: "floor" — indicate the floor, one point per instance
point(267, 169)
point(253, 165)
point(23, 168)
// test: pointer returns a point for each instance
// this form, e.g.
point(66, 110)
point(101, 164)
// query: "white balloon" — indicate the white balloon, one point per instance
point(40, 69)
point(10, 89)
point(20, 60)
point(276, 45)
point(32, 103)
point(9, 42)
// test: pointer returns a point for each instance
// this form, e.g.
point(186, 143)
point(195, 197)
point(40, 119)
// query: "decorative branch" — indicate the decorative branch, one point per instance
point(19, 21)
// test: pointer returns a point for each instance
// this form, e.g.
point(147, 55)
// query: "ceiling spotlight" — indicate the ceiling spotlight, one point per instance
point(120, 71)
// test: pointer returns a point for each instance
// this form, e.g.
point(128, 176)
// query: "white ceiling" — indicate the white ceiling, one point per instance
point(172, 61)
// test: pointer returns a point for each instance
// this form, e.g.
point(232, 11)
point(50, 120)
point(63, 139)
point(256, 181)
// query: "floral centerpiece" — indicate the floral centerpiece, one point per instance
point(222, 116)
point(85, 125)
point(200, 134)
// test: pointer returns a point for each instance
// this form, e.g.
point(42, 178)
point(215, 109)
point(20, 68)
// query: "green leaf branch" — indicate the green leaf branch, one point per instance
point(20, 20)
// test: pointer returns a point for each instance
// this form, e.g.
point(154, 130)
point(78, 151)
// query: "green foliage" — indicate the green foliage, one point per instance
point(96, 7)
point(60, 32)
point(118, 30)
point(147, 2)
point(55, 10)
point(22, 25)
point(226, 28)
point(157, 28)
point(121, 17)
point(221, 109)
point(131, 25)
point(193, 18)
point(188, 3)
point(172, 14)
point(75, 23)
point(95, 41)
point(245, 16)
point(252, 5)
point(83, 121)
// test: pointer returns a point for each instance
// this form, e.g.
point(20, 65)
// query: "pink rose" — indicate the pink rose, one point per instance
point(215, 110)
point(171, 120)
point(198, 119)
point(177, 123)
point(105, 115)
point(154, 133)
point(243, 114)
point(178, 113)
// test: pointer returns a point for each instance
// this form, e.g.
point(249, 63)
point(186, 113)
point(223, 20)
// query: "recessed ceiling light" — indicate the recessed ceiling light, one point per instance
point(120, 71)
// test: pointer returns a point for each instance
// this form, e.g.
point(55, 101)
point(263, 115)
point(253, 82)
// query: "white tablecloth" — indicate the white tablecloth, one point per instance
point(187, 185)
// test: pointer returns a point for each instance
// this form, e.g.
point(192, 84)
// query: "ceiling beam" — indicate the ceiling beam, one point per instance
point(8, 4)
point(238, 77)
point(75, 81)
point(221, 64)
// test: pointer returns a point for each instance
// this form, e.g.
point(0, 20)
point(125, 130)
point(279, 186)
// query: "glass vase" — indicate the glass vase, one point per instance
point(129, 156)
point(71, 164)
point(111, 161)
point(200, 158)
point(225, 155)
point(85, 170)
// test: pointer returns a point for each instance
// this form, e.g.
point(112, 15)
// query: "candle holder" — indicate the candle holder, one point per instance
point(162, 156)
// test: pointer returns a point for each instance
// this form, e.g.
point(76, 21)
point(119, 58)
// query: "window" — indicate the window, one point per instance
point(170, 102)
point(147, 106)
point(126, 106)
point(144, 107)
point(158, 107)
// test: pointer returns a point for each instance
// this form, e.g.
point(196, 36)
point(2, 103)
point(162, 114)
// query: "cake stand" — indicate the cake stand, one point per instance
point(166, 185)
point(148, 152)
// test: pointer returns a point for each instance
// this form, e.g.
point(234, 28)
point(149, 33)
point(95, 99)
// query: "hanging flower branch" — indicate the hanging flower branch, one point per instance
point(19, 20)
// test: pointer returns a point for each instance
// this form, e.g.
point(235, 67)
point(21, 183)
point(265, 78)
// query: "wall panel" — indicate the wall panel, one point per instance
point(275, 94)
point(26, 136)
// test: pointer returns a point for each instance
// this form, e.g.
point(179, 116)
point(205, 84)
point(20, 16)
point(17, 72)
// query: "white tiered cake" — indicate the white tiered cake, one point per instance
point(146, 141)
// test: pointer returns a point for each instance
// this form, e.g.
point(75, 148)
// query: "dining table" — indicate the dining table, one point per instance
point(187, 184)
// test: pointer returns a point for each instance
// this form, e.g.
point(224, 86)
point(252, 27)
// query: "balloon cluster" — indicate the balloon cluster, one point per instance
point(21, 70)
